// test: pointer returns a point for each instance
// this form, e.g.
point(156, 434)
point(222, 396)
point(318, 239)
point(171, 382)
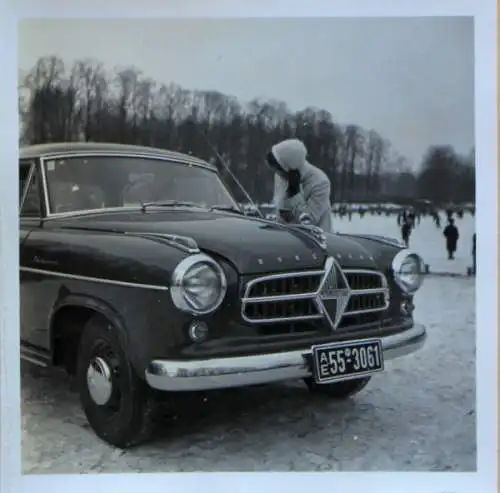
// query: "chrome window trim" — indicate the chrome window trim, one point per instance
point(93, 153)
point(45, 187)
point(75, 277)
point(82, 154)
point(330, 262)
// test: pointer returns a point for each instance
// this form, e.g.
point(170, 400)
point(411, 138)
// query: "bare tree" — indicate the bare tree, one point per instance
point(88, 103)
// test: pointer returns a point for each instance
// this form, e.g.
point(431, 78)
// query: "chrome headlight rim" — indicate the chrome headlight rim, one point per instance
point(397, 263)
point(178, 293)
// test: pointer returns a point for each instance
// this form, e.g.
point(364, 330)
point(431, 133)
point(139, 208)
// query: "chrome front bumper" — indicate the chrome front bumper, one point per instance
point(169, 375)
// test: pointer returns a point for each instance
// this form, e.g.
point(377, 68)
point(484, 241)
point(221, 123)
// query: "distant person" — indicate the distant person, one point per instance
point(411, 217)
point(401, 217)
point(406, 231)
point(300, 188)
point(436, 218)
point(451, 235)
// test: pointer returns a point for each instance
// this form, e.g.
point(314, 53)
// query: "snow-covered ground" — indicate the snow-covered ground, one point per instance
point(419, 415)
point(426, 239)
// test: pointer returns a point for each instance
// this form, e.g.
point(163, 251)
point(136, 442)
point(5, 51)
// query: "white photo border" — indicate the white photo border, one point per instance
point(484, 479)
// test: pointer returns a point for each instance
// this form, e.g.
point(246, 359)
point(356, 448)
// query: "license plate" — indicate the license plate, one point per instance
point(347, 360)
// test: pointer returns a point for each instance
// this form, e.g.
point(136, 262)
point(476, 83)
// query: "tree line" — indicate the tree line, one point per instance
point(88, 103)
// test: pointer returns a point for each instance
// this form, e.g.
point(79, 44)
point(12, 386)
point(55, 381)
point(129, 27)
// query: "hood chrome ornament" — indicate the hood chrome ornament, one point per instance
point(184, 243)
point(314, 232)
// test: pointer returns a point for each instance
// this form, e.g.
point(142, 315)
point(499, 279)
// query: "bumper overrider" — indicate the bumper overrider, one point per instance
point(216, 373)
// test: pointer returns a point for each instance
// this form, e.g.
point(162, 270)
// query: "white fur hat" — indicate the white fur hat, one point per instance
point(290, 154)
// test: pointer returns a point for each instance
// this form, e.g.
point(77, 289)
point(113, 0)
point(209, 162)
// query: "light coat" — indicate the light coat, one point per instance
point(314, 195)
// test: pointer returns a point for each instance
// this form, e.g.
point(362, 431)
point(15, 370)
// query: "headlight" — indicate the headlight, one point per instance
point(408, 269)
point(198, 285)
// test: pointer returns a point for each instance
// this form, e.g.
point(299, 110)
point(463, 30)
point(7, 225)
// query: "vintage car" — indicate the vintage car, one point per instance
point(141, 276)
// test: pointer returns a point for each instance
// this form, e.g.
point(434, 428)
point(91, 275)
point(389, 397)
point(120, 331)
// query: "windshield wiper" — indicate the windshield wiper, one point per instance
point(169, 203)
point(183, 203)
point(228, 208)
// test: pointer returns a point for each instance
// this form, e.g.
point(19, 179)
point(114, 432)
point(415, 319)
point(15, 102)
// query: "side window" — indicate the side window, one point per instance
point(24, 172)
point(31, 206)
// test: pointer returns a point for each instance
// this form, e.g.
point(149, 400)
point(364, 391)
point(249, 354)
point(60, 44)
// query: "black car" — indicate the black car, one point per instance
point(141, 275)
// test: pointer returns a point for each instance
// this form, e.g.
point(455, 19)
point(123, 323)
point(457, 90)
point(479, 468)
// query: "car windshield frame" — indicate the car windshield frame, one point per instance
point(50, 213)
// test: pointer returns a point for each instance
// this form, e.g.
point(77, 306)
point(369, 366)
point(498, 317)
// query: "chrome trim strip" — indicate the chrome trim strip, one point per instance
point(278, 297)
point(216, 373)
point(361, 312)
point(25, 219)
point(306, 296)
point(33, 360)
point(313, 295)
point(76, 277)
point(34, 356)
point(363, 271)
point(178, 241)
point(302, 318)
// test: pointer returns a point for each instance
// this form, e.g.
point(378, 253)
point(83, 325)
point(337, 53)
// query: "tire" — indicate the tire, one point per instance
point(123, 412)
point(338, 390)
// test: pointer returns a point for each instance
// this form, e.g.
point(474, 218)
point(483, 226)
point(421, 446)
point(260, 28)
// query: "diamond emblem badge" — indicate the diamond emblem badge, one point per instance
point(334, 294)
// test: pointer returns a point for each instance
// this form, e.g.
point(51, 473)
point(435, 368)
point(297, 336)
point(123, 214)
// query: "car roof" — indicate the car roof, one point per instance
point(57, 148)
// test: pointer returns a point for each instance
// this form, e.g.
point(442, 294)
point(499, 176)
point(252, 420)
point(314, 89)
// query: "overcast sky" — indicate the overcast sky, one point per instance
point(411, 79)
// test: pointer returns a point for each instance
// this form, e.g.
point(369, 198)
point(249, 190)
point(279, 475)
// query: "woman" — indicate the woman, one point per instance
point(301, 190)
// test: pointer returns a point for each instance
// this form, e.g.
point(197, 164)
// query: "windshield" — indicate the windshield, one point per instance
point(97, 182)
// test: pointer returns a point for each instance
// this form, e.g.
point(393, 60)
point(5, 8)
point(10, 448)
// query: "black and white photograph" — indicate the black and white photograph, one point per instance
point(249, 245)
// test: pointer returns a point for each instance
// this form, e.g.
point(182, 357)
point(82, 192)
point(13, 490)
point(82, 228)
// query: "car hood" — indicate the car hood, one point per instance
point(252, 245)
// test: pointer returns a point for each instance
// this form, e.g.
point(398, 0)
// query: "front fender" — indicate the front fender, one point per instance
point(96, 305)
point(133, 313)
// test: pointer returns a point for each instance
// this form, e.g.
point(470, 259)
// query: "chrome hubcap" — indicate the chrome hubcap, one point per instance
point(99, 381)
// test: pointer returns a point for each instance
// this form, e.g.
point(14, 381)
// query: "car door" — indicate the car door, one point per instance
point(33, 330)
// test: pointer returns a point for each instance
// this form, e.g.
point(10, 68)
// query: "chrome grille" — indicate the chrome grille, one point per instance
point(362, 280)
point(293, 297)
point(363, 302)
point(283, 286)
point(281, 310)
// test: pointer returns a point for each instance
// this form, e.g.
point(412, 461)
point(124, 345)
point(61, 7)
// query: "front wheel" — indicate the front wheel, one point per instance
point(119, 406)
point(337, 390)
